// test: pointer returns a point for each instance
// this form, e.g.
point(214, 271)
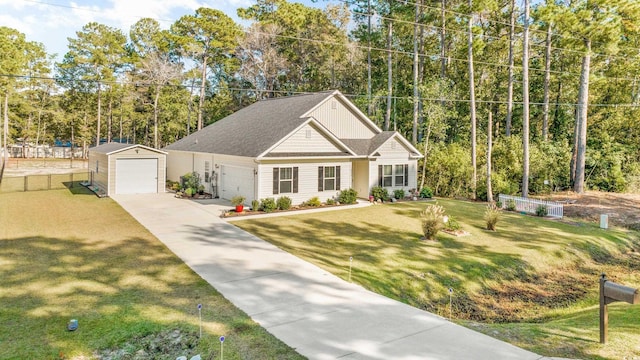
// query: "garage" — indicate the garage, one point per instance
point(117, 168)
point(237, 180)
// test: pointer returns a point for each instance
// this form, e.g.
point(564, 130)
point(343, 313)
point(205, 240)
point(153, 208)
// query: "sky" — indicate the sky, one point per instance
point(51, 22)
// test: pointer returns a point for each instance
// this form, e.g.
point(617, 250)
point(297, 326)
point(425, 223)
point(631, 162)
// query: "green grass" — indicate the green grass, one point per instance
point(67, 255)
point(532, 282)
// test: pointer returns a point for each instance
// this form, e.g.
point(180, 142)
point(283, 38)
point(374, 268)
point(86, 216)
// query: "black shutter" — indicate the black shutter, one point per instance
point(379, 175)
point(276, 181)
point(338, 178)
point(295, 180)
point(320, 178)
point(406, 175)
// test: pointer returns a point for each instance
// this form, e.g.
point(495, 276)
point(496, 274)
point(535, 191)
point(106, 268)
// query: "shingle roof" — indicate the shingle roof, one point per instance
point(254, 129)
point(113, 147)
point(365, 147)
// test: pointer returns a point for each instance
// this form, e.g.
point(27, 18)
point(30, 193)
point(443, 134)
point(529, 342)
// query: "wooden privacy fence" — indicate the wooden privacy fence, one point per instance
point(530, 206)
point(41, 182)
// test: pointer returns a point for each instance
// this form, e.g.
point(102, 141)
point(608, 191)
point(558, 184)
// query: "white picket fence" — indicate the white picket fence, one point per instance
point(527, 205)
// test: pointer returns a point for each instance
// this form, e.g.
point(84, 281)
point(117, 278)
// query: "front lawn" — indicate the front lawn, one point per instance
point(533, 282)
point(67, 255)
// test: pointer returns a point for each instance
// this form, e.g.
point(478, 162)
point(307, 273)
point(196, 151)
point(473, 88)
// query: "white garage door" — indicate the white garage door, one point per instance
point(237, 181)
point(136, 176)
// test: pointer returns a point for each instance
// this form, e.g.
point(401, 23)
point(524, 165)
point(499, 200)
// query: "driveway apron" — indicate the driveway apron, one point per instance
point(309, 309)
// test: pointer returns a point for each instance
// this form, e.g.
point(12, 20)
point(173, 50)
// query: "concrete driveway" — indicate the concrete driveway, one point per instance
point(311, 310)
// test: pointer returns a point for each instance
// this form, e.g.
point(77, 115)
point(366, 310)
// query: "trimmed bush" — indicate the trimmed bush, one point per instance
point(314, 202)
point(284, 203)
point(348, 196)
point(510, 205)
point(380, 193)
point(491, 216)
point(255, 205)
point(330, 201)
point(432, 221)
point(268, 205)
point(398, 194)
point(542, 210)
point(426, 193)
point(452, 224)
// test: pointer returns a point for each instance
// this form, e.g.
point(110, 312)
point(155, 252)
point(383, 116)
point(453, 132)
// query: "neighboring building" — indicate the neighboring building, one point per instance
point(127, 169)
point(299, 146)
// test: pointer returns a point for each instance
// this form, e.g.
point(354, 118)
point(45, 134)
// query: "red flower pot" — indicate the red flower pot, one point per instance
point(239, 208)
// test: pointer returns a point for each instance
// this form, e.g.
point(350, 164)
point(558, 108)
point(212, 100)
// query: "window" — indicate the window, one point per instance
point(328, 178)
point(401, 172)
point(389, 176)
point(207, 168)
point(285, 180)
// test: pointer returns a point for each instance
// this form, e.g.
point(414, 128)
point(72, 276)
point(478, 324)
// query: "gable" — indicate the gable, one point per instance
point(341, 120)
point(306, 139)
point(393, 149)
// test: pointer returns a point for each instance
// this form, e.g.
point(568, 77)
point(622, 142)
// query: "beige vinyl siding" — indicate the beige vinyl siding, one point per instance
point(99, 169)
point(178, 164)
point(307, 180)
point(307, 139)
point(393, 149)
point(341, 121)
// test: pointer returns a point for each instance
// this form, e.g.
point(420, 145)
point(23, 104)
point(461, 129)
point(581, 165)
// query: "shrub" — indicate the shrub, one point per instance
point(314, 201)
point(398, 194)
point(426, 193)
point(330, 201)
point(175, 186)
point(432, 221)
point(511, 205)
point(491, 216)
point(541, 210)
point(268, 205)
point(255, 205)
point(380, 193)
point(499, 204)
point(238, 200)
point(284, 203)
point(190, 180)
point(348, 196)
point(190, 192)
point(452, 224)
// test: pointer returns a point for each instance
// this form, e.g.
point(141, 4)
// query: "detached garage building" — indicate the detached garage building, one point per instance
point(127, 169)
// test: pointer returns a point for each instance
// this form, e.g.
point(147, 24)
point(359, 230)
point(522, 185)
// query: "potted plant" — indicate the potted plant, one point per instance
point(238, 201)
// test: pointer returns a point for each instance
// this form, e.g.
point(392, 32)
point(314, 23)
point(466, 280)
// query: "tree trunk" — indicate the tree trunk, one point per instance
point(155, 117)
point(472, 105)
point(525, 102)
point(369, 102)
point(424, 158)
point(5, 127)
point(581, 120)
point(202, 87)
point(489, 146)
point(415, 76)
point(443, 39)
point(387, 116)
point(547, 80)
point(110, 117)
point(510, 81)
point(99, 114)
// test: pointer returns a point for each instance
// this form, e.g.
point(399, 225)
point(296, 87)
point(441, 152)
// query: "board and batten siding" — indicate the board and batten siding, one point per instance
point(307, 181)
point(341, 121)
point(305, 139)
point(137, 153)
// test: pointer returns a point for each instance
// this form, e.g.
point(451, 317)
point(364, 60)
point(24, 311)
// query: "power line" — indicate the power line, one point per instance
point(291, 92)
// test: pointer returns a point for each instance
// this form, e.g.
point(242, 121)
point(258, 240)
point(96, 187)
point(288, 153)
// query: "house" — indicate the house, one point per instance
point(299, 146)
